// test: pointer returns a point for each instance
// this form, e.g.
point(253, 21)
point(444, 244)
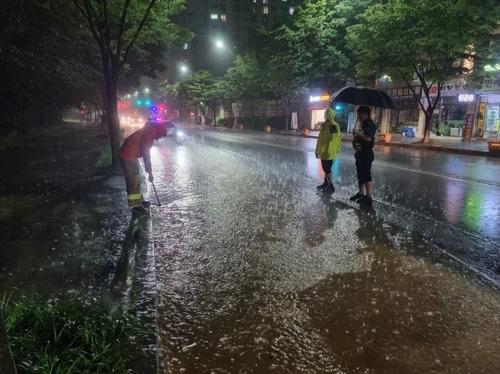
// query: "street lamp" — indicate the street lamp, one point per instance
point(220, 44)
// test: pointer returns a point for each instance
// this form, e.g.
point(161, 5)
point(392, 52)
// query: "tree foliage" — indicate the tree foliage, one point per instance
point(246, 82)
point(46, 62)
point(313, 44)
point(310, 50)
point(425, 41)
point(122, 28)
point(200, 91)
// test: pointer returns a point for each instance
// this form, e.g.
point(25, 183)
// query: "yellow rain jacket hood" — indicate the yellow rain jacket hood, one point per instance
point(329, 139)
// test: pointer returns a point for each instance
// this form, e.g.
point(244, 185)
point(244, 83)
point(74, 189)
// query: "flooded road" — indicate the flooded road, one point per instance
point(258, 273)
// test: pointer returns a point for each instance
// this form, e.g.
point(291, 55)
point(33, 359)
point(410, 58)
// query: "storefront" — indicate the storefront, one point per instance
point(488, 111)
point(316, 106)
point(407, 109)
point(456, 101)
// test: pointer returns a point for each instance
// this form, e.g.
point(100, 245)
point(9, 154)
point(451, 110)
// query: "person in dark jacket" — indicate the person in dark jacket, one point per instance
point(364, 139)
point(138, 145)
point(327, 147)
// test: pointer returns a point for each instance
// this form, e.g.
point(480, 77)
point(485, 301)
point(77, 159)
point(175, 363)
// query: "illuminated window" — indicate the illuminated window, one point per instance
point(185, 46)
point(214, 16)
point(223, 17)
point(265, 1)
point(291, 10)
point(265, 9)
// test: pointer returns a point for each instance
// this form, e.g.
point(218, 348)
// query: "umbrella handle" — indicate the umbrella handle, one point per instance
point(356, 126)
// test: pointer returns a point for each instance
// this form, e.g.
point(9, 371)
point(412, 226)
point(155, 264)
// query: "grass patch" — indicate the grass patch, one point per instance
point(65, 336)
point(105, 158)
point(10, 140)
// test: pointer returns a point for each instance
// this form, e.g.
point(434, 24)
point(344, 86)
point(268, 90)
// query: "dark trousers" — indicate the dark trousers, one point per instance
point(326, 165)
point(364, 161)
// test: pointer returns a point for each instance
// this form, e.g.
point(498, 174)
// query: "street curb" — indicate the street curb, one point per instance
point(378, 144)
point(437, 148)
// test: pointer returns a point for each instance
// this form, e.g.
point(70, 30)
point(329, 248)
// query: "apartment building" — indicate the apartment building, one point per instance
point(223, 29)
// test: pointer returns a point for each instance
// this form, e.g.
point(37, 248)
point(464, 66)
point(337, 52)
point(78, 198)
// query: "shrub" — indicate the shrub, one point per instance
point(105, 158)
point(68, 337)
point(10, 140)
point(443, 129)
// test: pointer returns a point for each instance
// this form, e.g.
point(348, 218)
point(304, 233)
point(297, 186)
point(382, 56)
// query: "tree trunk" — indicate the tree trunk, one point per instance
point(427, 126)
point(287, 107)
point(112, 114)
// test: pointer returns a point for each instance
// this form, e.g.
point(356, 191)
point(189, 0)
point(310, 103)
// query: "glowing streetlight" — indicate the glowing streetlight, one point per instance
point(220, 45)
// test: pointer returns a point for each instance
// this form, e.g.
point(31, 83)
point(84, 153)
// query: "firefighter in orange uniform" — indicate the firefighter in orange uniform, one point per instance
point(138, 145)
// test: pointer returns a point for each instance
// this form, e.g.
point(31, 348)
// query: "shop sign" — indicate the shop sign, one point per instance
point(492, 117)
point(469, 125)
point(452, 88)
point(318, 98)
point(295, 122)
point(236, 107)
point(403, 92)
point(489, 85)
point(466, 98)
point(480, 119)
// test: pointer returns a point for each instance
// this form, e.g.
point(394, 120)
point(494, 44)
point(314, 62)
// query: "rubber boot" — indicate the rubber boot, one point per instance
point(324, 185)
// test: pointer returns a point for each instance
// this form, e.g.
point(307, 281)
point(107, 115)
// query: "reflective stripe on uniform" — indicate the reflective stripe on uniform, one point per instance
point(134, 199)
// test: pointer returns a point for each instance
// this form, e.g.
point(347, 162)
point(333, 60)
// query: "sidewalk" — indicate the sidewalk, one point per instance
point(448, 144)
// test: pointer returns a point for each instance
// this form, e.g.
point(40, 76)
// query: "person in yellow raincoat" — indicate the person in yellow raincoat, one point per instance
point(327, 148)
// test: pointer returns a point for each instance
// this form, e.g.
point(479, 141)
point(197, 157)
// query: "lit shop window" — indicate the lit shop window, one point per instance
point(265, 9)
point(223, 17)
point(214, 16)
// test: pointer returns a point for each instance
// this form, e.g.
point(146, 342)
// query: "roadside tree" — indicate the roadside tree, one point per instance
point(46, 62)
point(121, 28)
point(426, 42)
point(246, 83)
point(203, 90)
point(310, 51)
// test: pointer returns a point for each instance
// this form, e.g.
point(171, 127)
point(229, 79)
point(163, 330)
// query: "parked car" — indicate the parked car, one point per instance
point(172, 130)
point(135, 121)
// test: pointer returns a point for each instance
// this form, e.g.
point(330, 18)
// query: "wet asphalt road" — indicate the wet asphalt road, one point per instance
point(258, 273)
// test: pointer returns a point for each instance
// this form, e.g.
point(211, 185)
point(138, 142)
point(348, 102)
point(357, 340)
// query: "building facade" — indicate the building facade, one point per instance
point(465, 109)
point(223, 29)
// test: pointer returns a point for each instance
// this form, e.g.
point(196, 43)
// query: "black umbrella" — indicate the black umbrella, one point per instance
point(363, 96)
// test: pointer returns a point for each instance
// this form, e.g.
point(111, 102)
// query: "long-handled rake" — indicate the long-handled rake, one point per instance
point(157, 199)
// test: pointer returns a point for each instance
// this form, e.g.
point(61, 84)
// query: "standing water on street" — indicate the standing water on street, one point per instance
point(258, 272)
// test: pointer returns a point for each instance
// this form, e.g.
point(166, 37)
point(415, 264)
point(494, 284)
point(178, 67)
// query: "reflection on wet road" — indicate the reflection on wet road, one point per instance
point(258, 273)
